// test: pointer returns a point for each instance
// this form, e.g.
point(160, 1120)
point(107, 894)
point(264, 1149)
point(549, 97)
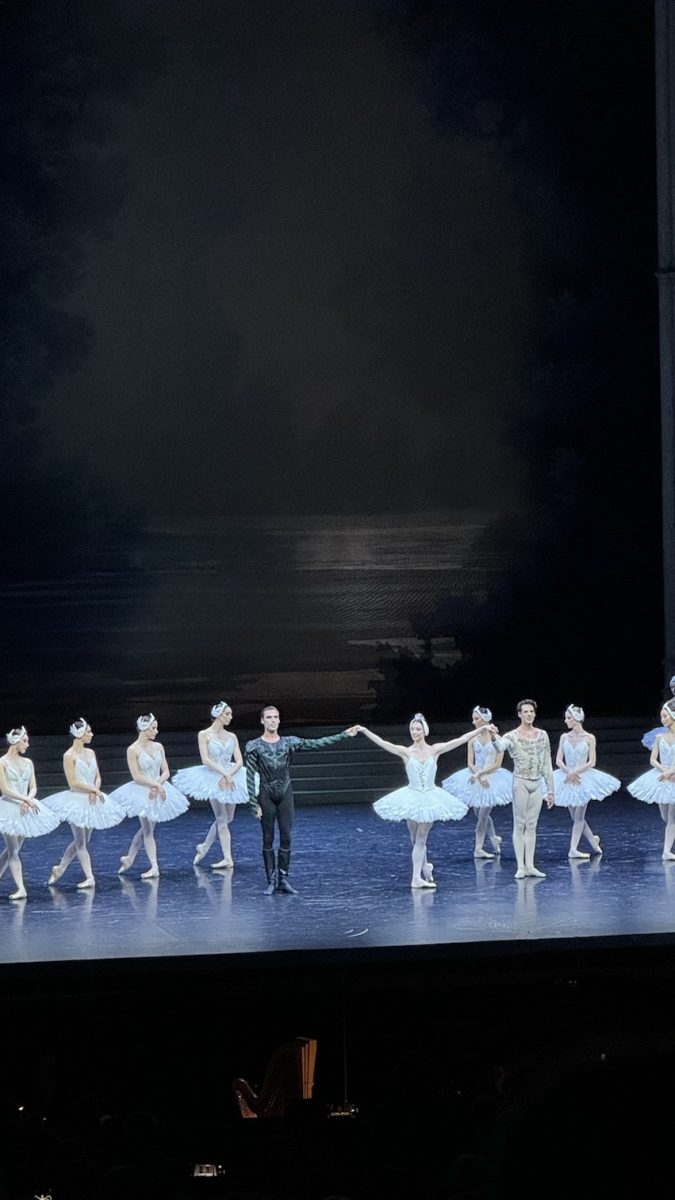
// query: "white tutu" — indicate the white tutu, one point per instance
point(651, 789)
point(32, 824)
point(76, 809)
point(595, 785)
point(409, 804)
point(498, 792)
point(135, 800)
point(201, 783)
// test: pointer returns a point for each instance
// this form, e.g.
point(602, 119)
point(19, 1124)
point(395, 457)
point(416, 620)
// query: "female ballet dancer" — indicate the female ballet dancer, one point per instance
point(149, 796)
point(21, 815)
point(657, 786)
point(651, 734)
point(483, 783)
point(577, 781)
point(530, 750)
point(421, 802)
point(84, 806)
point(220, 780)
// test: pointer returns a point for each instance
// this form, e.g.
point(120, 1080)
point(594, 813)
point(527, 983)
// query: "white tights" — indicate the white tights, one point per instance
point(668, 817)
point(220, 828)
point(419, 832)
point(146, 836)
point(79, 847)
point(527, 802)
point(581, 828)
point(10, 858)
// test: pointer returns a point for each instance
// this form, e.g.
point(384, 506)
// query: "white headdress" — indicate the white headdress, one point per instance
point(219, 708)
point(143, 723)
point(15, 735)
point(669, 707)
point(78, 728)
point(576, 712)
point(671, 685)
point(421, 720)
point(485, 713)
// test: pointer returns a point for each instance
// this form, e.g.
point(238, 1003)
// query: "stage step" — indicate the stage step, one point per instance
point(350, 772)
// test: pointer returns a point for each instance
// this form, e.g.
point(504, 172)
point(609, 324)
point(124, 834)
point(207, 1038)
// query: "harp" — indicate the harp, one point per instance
point(289, 1077)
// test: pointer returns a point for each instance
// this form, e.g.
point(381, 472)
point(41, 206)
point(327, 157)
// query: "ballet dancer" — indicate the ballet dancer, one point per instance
point(85, 807)
point(421, 802)
point(220, 779)
point(269, 757)
point(149, 796)
point(651, 734)
point(483, 783)
point(576, 781)
point(657, 786)
point(530, 750)
point(21, 815)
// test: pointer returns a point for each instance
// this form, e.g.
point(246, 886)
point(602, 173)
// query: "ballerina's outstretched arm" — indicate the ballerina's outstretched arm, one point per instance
point(439, 748)
point(390, 747)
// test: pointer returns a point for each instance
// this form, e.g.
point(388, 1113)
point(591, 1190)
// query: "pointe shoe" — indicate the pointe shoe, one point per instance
point(201, 853)
point(225, 863)
point(423, 883)
point(535, 873)
point(597, 848)
point(482, 853)
point(496, 843)
point(126, 864)
point(151, 873)
point(520, 873)
point(667, 856)
point(89, 882)
point(21, 894)
point(428, 872)
point(577, 854)
point(57, 872)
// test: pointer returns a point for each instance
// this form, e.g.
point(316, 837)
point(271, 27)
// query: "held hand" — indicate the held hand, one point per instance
point(161, 792)
point(353, 730)
point(226, 783)
point(484, 783)
point(28, 806)
point(93, 797)
point(258, 813)
point(550, 800)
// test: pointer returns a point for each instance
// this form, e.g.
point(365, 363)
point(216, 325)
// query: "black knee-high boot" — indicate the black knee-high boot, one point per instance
point(284, 863)
point(270, 871)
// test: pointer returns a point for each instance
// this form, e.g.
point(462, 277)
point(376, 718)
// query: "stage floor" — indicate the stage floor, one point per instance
point(352, 871)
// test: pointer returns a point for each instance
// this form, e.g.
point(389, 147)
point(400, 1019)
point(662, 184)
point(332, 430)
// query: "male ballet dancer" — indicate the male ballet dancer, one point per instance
point(530, 750)
point(270, 756)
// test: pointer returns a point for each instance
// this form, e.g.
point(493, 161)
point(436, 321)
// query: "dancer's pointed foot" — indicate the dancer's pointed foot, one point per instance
point(202, 850)
point(224, 864)
point(151, 873)
point(88, 882)
point(667, 856)
point(125, 864)
point(577, 854)
point(481, 853)
point(520, 873)
point(428, 872)
point(535, 873)
point(496, 843)
point(423, 883)
point(19, 894)
point(597, 848)
point(57, 872)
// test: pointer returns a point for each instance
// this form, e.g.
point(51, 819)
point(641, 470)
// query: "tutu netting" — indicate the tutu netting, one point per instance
point(76, 809)
point(135, 800)
point(651, 736)
point(595, 785)
point(651, 790)
point(33, 824)
point(498, 792)
point(201, 783)
point(422, 800)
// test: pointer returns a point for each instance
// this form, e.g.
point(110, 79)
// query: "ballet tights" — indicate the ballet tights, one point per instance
point(527, 802)
point(145, 836)
point(79, 847)
point(220, 828)
point(421, 871)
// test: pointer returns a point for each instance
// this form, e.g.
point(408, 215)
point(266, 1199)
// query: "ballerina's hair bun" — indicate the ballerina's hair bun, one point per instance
point(421, 720)
point(576, 712)
point(485, 713)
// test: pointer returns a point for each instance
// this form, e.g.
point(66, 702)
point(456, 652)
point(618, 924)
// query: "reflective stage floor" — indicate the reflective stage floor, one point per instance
point(352, 871)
